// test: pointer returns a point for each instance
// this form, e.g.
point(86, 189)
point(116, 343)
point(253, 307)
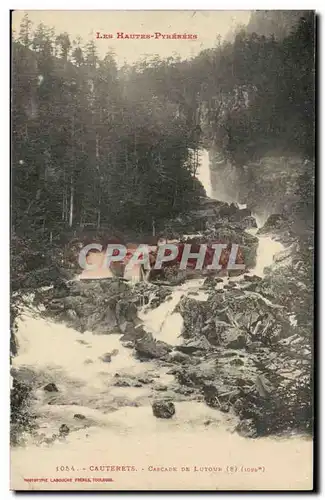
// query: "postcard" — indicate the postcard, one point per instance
point(162, 250)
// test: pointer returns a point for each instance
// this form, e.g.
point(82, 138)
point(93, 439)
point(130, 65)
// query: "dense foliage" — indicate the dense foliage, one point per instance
point(97, 144)
point(91, 144)
point(259, 97)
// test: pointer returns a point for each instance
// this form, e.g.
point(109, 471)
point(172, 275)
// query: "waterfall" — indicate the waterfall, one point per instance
point(266, 250)
point(203, 173)
point(118, 420)
point(267, 247)
point(163, 322)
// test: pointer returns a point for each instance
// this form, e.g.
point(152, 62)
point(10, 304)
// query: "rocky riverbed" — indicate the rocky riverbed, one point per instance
point(212, 341)
point(199, 357)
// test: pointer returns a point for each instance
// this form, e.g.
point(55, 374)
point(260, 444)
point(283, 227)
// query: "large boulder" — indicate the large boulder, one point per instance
point(163, 409)
point(214, 399)
point(209, 283)
point(227, 210)
point(198, 375)
point(51, 387)
point(148, 347)
point(125, 311)
point(247, 428)
point(233, 338)
point(131, 333)
point(96, 305)
point(273, 224)
point(196, 345)
point(252, 278)
point(244, 212)
point(194, 316)
point(179, 357)
point(100, 322)
point(214, 330)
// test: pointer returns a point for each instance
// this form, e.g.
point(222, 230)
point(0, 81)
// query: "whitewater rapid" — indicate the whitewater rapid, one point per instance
point(118, 426)
point(163, 322)
point(267, 246)
point(266, 250)
point(61, 353)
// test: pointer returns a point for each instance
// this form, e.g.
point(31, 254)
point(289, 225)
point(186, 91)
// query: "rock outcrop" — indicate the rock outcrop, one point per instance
point(235, 342)
point(102, 306)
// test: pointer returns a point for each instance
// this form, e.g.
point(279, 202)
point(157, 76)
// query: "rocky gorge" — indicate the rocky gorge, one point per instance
point(227, 351)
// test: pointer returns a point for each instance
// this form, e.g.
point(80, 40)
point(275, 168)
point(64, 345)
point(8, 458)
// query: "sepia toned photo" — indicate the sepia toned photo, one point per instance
point(162, 250)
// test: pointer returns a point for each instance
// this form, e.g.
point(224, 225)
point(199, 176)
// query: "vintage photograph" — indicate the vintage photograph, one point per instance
point(162, 250)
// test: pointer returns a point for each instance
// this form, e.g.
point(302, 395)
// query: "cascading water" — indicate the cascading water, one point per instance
point(266, 250)
point(117, 425)
point(115, 432)
point(203, 172)
point(267, 246)
point(163, 322)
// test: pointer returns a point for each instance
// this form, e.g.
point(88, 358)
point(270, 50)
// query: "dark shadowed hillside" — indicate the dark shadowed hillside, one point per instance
point(274, 22)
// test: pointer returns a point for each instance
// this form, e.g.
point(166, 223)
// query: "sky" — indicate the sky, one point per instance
point(207, 25)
